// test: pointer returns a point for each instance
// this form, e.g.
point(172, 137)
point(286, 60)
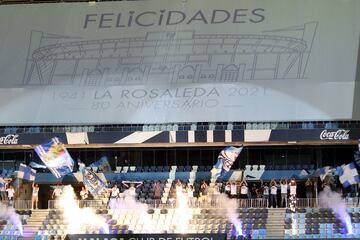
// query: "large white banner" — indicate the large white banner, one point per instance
point(178, 61)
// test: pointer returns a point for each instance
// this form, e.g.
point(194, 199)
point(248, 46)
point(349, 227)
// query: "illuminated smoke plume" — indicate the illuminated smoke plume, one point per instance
point(231, 205)
point(79, 220)
point(333, 200)
point(9, 214)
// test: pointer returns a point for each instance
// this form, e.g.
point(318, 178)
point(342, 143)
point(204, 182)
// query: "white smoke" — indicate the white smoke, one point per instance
point(333, 200)
point(182, 212)
point(231, 205)
point(9, 214)
point(79, 219)
point(129, 203)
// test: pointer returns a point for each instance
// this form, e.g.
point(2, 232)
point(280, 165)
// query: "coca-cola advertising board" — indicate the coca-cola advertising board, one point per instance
point(9, 139)
point(335, 134)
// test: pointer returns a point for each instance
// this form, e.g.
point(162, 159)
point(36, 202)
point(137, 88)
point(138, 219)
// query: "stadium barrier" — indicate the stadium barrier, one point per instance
point(18, 204)
point(173, 236)
point(196, 203)
point(54, 204)
point(22, 204)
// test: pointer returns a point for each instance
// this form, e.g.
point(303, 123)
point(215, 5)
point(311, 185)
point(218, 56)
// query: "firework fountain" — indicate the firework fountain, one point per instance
point(79, 220)
point(333, 200)
point(230, 206)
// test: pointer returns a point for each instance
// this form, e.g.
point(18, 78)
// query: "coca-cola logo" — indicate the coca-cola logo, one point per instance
point(340, 134)
point(9, 139)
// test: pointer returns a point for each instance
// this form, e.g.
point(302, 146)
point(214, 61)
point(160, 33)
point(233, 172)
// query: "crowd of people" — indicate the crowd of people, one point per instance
point(7, 191)
point(274, 193)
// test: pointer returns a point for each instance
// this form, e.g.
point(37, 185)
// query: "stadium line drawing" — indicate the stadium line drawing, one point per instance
point(170, 58)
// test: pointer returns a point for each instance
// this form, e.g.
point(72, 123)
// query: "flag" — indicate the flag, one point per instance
point(36, 165)
point(324, 171)
point(2, 183)
point(55, 156)
point(92, 182)
point(357, 158)
point(225, 160)
point(26, 172)
point(304, 173)
point(102, 165)
point(357, 155)
point(348, 174)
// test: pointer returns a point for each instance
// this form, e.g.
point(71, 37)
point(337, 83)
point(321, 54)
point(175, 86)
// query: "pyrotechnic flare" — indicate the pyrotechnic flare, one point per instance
point(183, 212)
point(231, 205)
point(79, 219)
point(333, 200)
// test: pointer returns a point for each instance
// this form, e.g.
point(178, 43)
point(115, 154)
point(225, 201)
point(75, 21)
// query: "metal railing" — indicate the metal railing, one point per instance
point(55, 204)
point(18, 204)
point(199, 203)
point(22, 204)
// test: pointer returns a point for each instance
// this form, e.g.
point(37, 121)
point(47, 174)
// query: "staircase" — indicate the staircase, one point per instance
point(34, 222)
point(275, 223)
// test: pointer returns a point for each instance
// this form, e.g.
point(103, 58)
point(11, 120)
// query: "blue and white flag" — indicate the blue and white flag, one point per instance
point(324, 171)
point(357, 155)
point(2, 183)
point(348, 174)
point(226, 159)
point(91, 181)
point(55, 156)
point(36, 165)
point(102, 165)
point(26, 172)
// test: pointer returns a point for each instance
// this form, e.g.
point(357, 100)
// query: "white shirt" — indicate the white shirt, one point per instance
point(35, 191)
point(190, 192)
point(266, 190)
point(115, 192)
point(233, 189)
point(179, 189)
point(216, 190)
point(132, 191)
point(227, 188)
point(57, 192)
point(244, 190)
point(292, 189)
point(83, 194)
point(273, 190)
point(284, 188)
point(10, 192)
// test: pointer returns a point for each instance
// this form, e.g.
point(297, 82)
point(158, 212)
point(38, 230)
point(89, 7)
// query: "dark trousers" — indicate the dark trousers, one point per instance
point(273, 200)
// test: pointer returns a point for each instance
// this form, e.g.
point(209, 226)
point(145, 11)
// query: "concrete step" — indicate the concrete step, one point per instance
point(275, 230)
point(32, 228)
point(30, 233)
point(274, 227)
point(37, 219)
point(34, 224)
